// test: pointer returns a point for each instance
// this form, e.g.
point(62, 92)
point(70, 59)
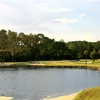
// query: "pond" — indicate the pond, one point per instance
point(36, 84)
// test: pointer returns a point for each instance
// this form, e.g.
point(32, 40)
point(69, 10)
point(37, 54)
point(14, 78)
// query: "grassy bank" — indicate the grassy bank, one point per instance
point(89, 94)
point(57, 64)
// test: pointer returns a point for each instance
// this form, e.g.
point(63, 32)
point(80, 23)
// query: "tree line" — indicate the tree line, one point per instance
point(29, 47)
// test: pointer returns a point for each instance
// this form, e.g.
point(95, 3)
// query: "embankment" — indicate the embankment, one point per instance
point(49, 66)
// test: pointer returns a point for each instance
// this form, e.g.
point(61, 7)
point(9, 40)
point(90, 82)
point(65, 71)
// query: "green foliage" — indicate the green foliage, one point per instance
point(3, 39)
point(99, 53)
point(93, 55)
point(86, 53)
point(3, 53)
point(29, 47)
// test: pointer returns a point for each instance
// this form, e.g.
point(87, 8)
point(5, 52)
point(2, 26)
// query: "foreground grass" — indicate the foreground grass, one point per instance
point(89, 94)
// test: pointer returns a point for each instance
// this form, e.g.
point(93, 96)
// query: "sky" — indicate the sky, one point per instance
point(70, 20)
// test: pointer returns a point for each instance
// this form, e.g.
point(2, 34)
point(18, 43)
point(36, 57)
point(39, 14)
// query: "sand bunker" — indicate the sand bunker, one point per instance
point(68, 97)
point(6, 98)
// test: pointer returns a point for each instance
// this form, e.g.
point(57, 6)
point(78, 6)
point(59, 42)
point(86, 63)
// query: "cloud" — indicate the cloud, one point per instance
point(50, 1)
point(54, 18)
point(91, 37)
point(93, 0)
point(4, 9)
point(65, 20)
point(82, 15)
point(78, 36)
point(61, 10)
point(17, 15)
point(8, 14)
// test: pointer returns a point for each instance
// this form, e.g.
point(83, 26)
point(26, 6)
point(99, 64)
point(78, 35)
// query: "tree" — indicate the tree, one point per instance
point(93, 55)
point(3, 53)
point(12, 40)
point(21, 47)
point(3, 39)
point(25, 47)
point(72, 46)
point(97, 46)
point(86, 53)
point(79, 56)
point(99, 53)
point(3, 44)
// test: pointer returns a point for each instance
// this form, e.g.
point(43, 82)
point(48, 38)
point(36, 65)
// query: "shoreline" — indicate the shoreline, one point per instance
point(67, 97)
point(36, 66)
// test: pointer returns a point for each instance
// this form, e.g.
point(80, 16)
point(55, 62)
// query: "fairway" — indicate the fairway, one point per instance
point(58, 64)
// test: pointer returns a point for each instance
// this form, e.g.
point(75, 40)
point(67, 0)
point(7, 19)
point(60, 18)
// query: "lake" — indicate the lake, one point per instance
point(36, 84)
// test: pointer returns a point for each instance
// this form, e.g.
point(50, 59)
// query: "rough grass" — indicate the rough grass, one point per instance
point(89, 94)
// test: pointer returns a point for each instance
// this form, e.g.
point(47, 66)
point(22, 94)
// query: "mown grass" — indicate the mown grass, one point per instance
point(81, 62)
point(18, 63)
point(89, 94)
point(61, 63)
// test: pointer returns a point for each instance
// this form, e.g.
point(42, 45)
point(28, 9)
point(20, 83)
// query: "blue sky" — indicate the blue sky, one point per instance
point(69, 20)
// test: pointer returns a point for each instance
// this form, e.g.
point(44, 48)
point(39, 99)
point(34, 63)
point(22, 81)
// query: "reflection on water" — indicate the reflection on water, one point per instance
point(40, 83)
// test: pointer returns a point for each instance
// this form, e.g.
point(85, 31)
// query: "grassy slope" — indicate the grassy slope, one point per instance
point(89, 94)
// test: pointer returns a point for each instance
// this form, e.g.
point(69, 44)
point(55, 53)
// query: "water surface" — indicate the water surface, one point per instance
point(36, 84)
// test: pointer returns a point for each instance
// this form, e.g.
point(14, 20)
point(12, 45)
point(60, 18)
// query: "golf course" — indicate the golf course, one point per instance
point(82, 63)
point(88, 94)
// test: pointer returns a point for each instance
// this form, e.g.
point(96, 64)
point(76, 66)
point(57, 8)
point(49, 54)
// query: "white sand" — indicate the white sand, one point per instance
point(6, 98)
point(68, 97)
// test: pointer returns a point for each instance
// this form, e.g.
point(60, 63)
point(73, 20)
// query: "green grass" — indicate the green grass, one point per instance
point(61, 63)
point(81, 62)
point(89, 94)
point(18, 63)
